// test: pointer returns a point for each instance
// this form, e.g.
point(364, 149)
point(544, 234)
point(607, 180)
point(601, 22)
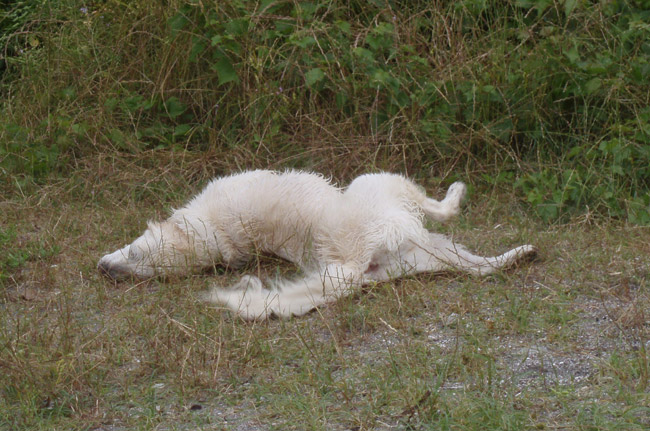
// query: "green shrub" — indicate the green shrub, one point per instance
point(553, 91)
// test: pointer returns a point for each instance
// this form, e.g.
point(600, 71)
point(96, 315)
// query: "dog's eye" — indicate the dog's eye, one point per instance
point(134, 253)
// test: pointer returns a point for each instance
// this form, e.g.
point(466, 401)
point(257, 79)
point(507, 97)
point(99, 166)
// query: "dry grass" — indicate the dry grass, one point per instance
point(559, 343)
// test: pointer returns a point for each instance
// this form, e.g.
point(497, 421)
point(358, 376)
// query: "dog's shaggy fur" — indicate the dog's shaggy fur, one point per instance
point(371, 231)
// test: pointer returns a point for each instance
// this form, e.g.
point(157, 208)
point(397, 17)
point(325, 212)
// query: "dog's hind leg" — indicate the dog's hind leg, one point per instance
point(440, 254)
point(448, 207)
point(439, 250)
point(457, 257)
point(252, 301)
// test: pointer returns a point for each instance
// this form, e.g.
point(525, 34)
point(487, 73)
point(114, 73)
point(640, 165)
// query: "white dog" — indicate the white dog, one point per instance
point(373, 231)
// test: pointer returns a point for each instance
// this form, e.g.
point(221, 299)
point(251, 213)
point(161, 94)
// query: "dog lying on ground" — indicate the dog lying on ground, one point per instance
point(372, 231)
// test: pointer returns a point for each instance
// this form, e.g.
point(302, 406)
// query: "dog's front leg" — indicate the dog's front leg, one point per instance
point(248, 298)
point(287, 298)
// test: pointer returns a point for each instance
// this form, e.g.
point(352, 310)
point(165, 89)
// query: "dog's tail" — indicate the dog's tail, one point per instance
point(252, 301)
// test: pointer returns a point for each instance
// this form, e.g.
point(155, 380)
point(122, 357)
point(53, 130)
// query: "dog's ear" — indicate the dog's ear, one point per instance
point(175, 235)
point(168, 233)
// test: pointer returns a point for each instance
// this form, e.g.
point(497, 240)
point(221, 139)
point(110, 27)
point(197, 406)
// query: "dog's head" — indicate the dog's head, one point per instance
point(163, 249)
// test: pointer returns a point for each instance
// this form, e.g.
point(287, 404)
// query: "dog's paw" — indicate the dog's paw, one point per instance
point(248, 299)
point(247, 285)
point(456, 192)
point(527, 253)
point(455, 195)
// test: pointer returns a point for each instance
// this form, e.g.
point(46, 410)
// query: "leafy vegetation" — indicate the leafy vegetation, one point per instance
point(554, 92)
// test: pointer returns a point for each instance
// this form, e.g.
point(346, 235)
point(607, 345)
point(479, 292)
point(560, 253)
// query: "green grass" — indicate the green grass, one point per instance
point(114, 112)
point(558, 343)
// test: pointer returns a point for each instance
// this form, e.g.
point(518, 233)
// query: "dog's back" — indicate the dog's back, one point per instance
point(267, 211)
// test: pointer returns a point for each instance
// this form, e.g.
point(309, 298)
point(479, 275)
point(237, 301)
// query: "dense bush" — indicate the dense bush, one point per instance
point(554, 93)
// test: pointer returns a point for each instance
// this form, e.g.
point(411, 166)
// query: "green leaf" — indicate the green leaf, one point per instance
point(79, 128)
point(569, 5)
point(133, 104)
point(225, 70)
point(593, 85)
point(572, 54)
point(69, 92)
point(177, 22)
point(117, 137)
point(314, 76)
point(344, 26)
point(237, 27)
point(198, 46)
point(174, 107)
point(284, 27)
point(547, 211)
point(305, 42)
point(364, 55)
point(341, 99)
point(111, 103)
point(181, 130)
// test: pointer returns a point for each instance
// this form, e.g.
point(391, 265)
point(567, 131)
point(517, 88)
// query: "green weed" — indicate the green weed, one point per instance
point(520, 86)
point(17, 253)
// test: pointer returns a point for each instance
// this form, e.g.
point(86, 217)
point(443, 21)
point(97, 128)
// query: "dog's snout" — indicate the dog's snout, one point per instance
point(110, 271)
point(105, 269)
